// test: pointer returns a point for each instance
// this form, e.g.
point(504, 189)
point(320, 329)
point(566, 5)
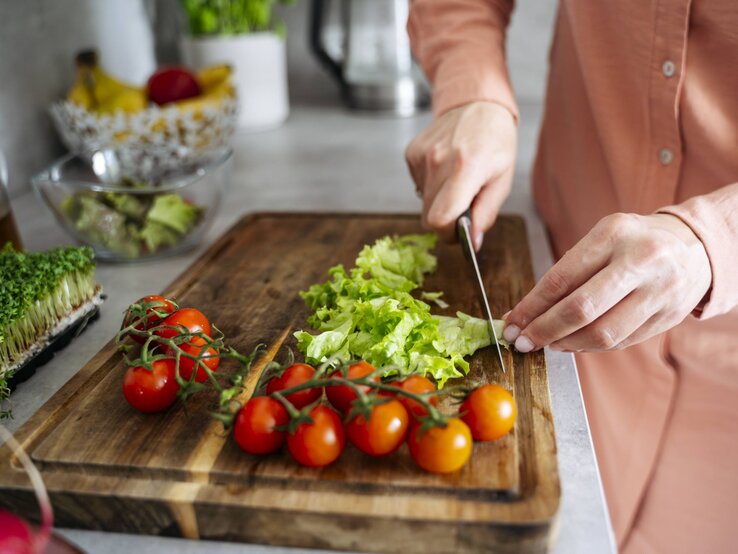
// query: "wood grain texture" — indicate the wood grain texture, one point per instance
point(109, 467)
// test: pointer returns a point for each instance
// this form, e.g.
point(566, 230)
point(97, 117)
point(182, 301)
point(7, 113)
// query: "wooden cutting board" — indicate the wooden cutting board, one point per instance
point(177, 474)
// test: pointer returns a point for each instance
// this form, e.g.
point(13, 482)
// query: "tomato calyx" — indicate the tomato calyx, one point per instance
point(196, 353)
point(178, 348)
point(275, 369)
point(297, 416)
point(368, 389)
point(143, 314)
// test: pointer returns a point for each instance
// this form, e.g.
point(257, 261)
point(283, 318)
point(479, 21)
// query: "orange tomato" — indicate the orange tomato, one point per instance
point(490, 412)
point(441, 449)
point(383, 432)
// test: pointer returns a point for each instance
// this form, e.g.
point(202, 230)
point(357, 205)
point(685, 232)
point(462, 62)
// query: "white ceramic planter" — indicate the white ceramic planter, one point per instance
point(259, 62)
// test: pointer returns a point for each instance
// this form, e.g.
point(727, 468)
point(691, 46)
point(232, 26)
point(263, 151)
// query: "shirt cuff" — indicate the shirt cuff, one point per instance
point(453, 94)
point(710, 220)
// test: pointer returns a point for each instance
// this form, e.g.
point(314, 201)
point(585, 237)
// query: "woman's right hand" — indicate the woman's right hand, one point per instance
point(465, 157)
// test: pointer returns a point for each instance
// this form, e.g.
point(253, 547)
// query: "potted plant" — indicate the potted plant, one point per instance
point(247, 35)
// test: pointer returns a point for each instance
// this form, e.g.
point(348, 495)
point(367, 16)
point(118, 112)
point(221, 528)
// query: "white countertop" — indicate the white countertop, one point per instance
point(322, 159)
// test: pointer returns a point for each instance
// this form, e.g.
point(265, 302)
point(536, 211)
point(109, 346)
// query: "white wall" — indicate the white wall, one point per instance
point(38, 41)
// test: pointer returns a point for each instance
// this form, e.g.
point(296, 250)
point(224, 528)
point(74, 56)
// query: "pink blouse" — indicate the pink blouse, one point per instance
point(641, 116)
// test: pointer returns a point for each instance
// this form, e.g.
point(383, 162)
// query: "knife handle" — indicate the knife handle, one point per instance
point(463, 234)
point(464, 219)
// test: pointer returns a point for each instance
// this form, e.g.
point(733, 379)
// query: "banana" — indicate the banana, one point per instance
point(213, 75)
point(97, 91)
point(216, 86)
point(210, 98)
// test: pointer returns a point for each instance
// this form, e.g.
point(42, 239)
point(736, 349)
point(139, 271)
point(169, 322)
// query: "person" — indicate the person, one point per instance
point(636, 179)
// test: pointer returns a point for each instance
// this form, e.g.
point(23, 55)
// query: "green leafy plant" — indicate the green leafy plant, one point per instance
point(36, 291)
point(232, 17)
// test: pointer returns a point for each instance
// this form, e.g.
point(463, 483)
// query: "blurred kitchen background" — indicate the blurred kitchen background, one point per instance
point(39, 38)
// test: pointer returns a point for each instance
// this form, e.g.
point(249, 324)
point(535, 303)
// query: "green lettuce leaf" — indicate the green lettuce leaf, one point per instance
point(101, 225)
point(155, 235)
point(370, 313)
point(172, 211)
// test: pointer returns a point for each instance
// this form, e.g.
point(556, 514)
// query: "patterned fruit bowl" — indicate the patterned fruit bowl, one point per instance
point(102, 113)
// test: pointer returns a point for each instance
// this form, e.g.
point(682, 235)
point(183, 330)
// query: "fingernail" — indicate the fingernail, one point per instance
point(511, 332)
point(504, 316)
point(524, 344)
point(479, 241)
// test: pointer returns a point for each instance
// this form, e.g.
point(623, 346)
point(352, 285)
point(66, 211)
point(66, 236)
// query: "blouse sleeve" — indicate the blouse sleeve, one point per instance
point(460, 44)
point(714, 219)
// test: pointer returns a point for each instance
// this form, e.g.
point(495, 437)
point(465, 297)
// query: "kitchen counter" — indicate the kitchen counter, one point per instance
point(323, 159)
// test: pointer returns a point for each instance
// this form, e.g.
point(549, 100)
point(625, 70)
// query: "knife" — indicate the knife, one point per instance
point(463, 231)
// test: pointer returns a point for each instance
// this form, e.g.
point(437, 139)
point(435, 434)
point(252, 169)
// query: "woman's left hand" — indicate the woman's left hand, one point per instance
point(630, 278)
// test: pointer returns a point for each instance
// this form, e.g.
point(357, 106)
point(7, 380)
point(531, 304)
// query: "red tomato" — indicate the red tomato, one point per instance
point(190, 318)
point(318, 443)
point(293, 376)
point(255, 429)
point(160, 306)
point(151, 391)
point(342, 396)
point(490, 412)
point(383, 433)
point(441, 449)
point(195, 347)
point(417, 384)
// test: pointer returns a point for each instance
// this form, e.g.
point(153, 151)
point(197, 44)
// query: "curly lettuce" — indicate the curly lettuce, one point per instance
point(370, 313)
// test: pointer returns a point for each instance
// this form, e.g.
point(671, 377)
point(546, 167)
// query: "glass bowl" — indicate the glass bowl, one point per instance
point(124, 219)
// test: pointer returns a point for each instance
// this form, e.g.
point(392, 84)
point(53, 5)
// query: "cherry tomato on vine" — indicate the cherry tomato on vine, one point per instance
point(342, 396)
point(196, 346)
point(293, 376)
point(191, 319)
point(383, 433)
point(255, 429)
point(319, 443)
point(441, 449)
point(160, 305)
point(490, 412)
point(416, 384)
point(151, 391)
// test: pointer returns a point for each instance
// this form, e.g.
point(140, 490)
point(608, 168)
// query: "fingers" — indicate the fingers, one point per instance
point(629, 279)
point(415, 158)
point(575, 268)
point(486, 206)
point(418, 176)
point(454, 195)
point(578, 309)
point(656, 324)
point(462, 151)
point(611, 330)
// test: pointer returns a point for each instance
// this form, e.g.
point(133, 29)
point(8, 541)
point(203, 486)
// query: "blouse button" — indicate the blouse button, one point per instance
point(666, 156)
point(668, 68)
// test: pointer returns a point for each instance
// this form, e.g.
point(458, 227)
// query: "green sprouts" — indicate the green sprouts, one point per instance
point(36, 291)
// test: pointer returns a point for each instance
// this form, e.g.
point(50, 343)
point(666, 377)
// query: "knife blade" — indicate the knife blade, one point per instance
point(463, 231)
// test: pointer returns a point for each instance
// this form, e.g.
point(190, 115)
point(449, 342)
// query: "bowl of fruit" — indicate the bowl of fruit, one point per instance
point(180, 117)
point(124, 218)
